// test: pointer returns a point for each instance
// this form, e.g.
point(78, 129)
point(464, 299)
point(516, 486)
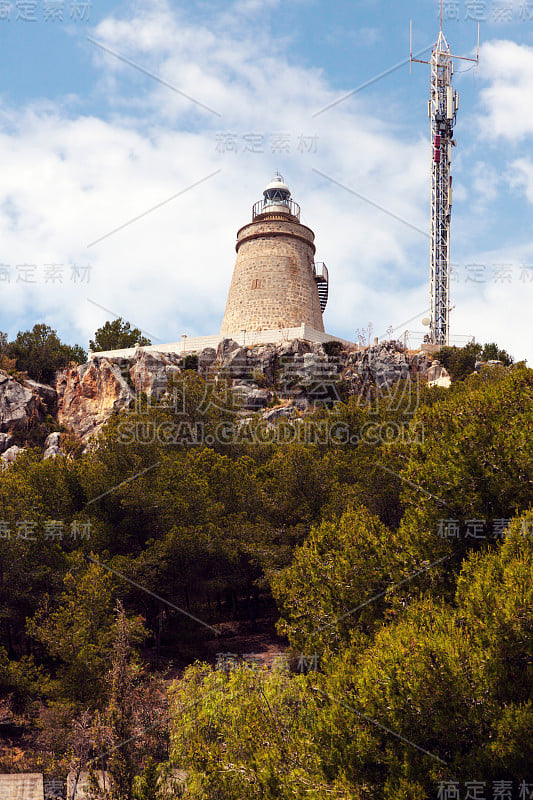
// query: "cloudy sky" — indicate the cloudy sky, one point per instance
point(135, 137)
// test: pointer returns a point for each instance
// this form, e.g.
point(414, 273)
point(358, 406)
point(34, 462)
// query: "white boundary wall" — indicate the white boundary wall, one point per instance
point(22, 786)
point(249, 338)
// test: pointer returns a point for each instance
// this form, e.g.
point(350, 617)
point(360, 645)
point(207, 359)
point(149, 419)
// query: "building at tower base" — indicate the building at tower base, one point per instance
point(194, 344)
point(278, 292)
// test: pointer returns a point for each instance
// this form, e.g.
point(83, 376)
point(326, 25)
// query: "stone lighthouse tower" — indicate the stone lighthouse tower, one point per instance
point(276, 283)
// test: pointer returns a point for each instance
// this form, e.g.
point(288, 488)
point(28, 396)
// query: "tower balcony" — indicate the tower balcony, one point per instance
point(287, 207)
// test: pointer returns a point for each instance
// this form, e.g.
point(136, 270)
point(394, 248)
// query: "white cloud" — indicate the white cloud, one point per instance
point(521, 176)
point(354, 37)
point(253, 6)
point(486, 181)
point(509, 97)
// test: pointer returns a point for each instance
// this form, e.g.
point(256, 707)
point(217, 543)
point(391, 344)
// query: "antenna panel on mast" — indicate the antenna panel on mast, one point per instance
point(449, 102)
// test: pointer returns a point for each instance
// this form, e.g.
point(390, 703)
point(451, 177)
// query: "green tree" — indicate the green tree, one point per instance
point(491, 352)
point(145, 785)
point(19, 680)
point(41, 353)
point(460, 361)
point(473, 464)
point(120, 712)
point(441, 693)
point(453, 680)
point(246, 734)
point(335, 586)
point(78, 631)
point(117, 335)
point(6, 363)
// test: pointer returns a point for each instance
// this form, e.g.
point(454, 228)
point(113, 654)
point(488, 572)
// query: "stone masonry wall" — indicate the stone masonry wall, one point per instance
point(272, 284)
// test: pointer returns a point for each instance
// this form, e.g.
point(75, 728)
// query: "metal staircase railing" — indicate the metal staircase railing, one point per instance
point(320, 274)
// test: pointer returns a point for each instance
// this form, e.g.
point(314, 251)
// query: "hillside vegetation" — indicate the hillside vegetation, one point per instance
point(390, 541)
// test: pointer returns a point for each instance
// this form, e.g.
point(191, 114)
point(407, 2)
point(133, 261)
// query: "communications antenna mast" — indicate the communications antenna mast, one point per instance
point(442, 111)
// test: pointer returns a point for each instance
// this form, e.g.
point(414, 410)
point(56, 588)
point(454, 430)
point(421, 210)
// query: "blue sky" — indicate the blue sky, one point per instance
point(214, 99)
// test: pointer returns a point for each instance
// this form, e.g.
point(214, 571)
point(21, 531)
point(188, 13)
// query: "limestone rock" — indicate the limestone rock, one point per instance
point(89, 394)
point(316, 366)
point(206, 358)
point(150, 371)
point(52, 440)
point(235, 363)
point(47, 394)
point(301, 404)
point(251, 396)
point(257, 399)
point(318, 349)
point(267, 361)
point(382, 364)
point(10, 455)
point(306, 369)
point(419, 363)
point(51, 445)
point(438, 375)
point(480, 365)
point(241, 390)
point(19, 407)
point(6, 440)
point(281, 412)
point(294, 347)
point(225, 347)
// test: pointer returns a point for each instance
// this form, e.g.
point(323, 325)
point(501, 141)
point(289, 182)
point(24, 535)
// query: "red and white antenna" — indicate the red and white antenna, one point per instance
point(442, 110)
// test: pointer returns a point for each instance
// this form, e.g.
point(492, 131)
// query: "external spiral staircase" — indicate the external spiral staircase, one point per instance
point(320, 274)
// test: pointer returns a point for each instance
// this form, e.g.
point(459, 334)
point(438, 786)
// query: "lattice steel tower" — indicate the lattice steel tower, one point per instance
point(442, 110)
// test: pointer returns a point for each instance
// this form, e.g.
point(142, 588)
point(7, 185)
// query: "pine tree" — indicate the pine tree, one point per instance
point(146, 784)
point(120, 764)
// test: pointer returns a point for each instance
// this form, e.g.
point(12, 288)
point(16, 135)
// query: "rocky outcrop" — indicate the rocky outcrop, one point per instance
point(301, 362)
point(51, 446)
point(306, 373)
point(299, 372)
point(149, 372)
point(206, 358)
point(21, 403)
point(384, 364)
point(233, 360)
point(302, 358)
point(438, 375)
point(481, 365)
point(17, 404)
point(87, 395)
point(251, 396)
point(296, 377)
point(280, 412)
point(6, 440)
point(47, 395)
point(10, 455)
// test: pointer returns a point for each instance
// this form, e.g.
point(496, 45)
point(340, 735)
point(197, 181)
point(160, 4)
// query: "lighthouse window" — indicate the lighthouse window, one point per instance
point(256, 284)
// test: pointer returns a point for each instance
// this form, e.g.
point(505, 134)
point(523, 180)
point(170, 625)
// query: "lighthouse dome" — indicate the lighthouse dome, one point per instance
point(277, 186)
point(276, 197)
